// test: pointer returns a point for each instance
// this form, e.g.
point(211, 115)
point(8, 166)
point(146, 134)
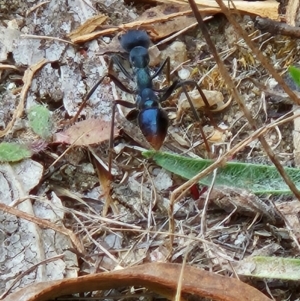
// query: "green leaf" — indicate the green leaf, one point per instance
point(13, 152)
point(257, 178)
point(295, 74)
point(40, 121)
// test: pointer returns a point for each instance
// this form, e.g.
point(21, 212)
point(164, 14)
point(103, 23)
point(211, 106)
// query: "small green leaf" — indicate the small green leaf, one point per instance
point(257, 178)
point(40, 121)
point(13, 152)
point(295, 74)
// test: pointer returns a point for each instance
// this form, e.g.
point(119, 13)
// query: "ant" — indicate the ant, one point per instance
point(152, 119)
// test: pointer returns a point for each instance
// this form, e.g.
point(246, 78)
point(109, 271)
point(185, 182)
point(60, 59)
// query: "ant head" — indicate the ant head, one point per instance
point(134, 38)
point(139, 57)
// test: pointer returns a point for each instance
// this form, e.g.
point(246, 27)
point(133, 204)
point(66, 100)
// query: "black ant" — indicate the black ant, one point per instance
point(152, 119)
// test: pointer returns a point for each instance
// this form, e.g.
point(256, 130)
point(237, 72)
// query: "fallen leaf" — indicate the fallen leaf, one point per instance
point(87, 132)
point(213, 98)
point(88, 26)
point(40, 121)
point(162, 278)
point(269, 267)
point(13, 152)
point(261, 8)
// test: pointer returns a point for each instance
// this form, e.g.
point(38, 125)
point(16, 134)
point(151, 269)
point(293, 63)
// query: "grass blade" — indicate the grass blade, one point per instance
point(257, 178)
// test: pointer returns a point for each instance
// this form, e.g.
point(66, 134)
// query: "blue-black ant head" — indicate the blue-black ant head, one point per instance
point(139, 57)
point(134, 38)
point(153, 121)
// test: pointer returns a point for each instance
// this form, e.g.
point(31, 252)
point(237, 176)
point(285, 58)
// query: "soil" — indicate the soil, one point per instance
point(141, 190)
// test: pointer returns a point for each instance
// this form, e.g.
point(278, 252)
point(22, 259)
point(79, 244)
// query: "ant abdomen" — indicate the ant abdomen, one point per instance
point(154, 123)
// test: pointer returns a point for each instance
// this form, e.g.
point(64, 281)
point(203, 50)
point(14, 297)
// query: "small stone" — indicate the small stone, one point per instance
point(184, 74)
point(177, 53)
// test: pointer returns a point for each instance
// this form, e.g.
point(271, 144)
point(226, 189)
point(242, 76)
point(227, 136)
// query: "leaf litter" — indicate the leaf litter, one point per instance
point(67, 192)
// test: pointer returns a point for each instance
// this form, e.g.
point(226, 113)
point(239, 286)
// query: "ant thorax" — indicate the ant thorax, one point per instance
point(143, 79)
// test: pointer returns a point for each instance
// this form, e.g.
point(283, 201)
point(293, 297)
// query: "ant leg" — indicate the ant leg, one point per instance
point(168, 91)
point(114, 79)
point(178, 84)
point(166, 62)
point(207, 106)
point(119, 84)
point(115, 59)
point(125, 104)
point(198, 118)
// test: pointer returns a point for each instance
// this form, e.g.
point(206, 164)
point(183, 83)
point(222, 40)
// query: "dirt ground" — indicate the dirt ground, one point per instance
point(71, 188)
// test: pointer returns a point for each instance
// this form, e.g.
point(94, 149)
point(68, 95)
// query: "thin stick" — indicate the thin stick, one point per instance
point(203, 218)
point(30, 36)
point(198, 119)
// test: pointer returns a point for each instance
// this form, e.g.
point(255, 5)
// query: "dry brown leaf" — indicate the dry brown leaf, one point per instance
point(160, 29)
point(214, 98)
point(260, 8)
point(290, 211)
point(135, 24)
point(87, 132)
point(216, 137)
point(88, 26)
point(161, 278)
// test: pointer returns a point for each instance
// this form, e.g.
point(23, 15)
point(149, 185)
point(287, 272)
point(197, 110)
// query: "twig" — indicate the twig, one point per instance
point(203, 218)
point(276, 28)
point(30, 36)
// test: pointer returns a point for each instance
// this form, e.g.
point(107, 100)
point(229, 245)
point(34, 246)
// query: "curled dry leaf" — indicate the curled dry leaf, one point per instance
point(161, 278)
point(214, 98)
point(87, 132)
